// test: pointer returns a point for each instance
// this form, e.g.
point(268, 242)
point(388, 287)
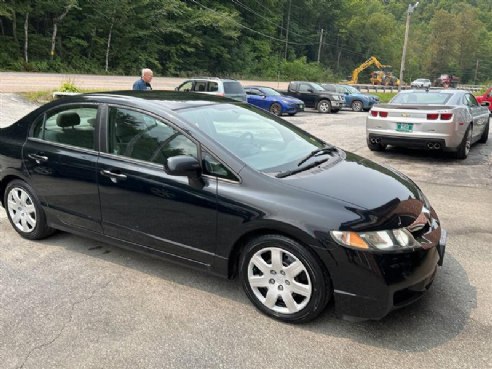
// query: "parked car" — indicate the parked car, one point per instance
point(449, 120)
point(214, 86)
point(354, 99)
point(421, 83)
point(315, 96)
point(273, 101)
point(486, 98)
point(226, 188)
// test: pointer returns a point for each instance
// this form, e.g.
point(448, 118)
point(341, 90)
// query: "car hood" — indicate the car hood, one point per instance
point(380, 197)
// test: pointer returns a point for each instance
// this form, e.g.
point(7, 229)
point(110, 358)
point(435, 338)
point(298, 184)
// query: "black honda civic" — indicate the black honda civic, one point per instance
point(227, 188)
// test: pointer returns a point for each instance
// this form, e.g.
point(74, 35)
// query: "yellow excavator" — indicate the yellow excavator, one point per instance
point(381, 77)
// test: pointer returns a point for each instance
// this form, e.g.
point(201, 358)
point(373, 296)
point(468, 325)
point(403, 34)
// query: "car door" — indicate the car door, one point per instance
point(143, 205)
point(61, 156)
point(306, 94)
point(479, 114)
point(257, 98)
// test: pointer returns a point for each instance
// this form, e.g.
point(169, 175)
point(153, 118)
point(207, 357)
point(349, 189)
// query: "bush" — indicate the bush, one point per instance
point(301, 70)
point(68, 86)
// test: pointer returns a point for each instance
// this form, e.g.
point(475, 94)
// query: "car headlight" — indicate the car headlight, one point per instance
point(389, 240)
point(336, 97)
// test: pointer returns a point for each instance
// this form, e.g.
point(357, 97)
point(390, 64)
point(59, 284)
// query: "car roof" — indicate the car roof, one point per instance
point(166, 100)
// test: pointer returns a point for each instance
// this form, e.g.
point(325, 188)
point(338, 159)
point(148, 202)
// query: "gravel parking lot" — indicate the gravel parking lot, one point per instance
point(69, 302)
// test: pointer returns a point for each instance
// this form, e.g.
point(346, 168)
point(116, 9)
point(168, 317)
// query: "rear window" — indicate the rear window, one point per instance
point(421, 98)
point(233, 88)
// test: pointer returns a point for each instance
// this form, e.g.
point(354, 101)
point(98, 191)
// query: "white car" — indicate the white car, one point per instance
point(447, 120)
point(421, 83)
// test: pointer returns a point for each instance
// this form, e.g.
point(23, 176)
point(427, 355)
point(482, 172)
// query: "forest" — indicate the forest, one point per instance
point(268, 39)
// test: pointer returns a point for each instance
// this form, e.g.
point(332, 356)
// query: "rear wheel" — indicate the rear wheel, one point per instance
point(357, 105)
point(485, 134)
point(276, 109)
point(465, 145)
point(324, 106)
point(25, 212)
point(283, 279)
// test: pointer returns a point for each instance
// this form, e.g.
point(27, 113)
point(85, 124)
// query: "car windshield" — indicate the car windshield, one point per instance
point(317, 87)
point(270, 91)
point(421, 98)
point(351, 90)
point(261, 140)
point(233, 88)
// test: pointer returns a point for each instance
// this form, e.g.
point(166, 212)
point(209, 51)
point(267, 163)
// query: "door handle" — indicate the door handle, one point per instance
point(38, 158)
point(114, 176)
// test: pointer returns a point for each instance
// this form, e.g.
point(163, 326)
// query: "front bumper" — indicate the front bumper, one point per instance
point(373, 284)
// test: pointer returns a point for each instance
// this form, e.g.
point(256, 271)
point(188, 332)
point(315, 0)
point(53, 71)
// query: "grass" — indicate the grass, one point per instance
point(384, 97)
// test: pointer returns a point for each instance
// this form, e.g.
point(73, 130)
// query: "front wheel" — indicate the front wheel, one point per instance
point(357, 106)
point(276, 109)
point(283, 279)
point(25, 212)
point(324, 106)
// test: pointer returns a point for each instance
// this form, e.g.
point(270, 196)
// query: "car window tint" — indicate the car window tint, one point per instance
point(200, 86)
point(471, 100)
point(233, 87)
point(74, 127)
point(214, 167)
point(213, 87)
point(422, 98)
point(303, 87)
point(141, 136)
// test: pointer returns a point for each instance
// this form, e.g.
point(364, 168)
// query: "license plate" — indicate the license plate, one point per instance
point(404, 127)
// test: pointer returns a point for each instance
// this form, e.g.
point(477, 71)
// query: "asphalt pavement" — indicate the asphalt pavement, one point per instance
point(70, 302)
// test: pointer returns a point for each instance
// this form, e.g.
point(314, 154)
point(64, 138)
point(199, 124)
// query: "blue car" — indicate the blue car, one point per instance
point(354, 99)
point(269, 99)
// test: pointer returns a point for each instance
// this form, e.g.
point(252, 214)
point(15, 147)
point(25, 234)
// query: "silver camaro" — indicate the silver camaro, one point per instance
point(447, 120)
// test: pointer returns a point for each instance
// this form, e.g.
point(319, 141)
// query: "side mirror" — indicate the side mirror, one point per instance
point(183, 165)
point(485, 103)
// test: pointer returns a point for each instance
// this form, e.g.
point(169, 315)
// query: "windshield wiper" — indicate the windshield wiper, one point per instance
point(317, 152)
point(298, 170)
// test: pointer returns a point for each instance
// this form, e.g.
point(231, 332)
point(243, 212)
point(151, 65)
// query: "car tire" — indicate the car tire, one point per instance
point(292, 114)
point(283, 279)
point(324, 106)
point(25, 212)
point(357, 106)
point(465, 145)
point(276, 109)
point(485, 134)
point(375, 146)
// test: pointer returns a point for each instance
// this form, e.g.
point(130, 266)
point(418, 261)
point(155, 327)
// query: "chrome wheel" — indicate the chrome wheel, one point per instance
point(357, 106)
point(21, 210)
point(279, 280)
point(324, 106)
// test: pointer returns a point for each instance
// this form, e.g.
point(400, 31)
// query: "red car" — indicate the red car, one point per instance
point(487, 96)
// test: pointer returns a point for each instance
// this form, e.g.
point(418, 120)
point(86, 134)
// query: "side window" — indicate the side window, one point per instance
point(74, 127)
point(303, 87)
point(200, 86)
point(187, 86)
point(141, 136)
point(250, 91)
point(213, 167)
point(213, 87)
point(472, 100)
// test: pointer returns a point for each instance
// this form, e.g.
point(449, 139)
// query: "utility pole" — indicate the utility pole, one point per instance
point(410, 10)
point(320, 43)
point(287, 31)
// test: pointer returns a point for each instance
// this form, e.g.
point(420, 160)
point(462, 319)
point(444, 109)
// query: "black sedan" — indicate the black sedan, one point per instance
point(227, 188)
